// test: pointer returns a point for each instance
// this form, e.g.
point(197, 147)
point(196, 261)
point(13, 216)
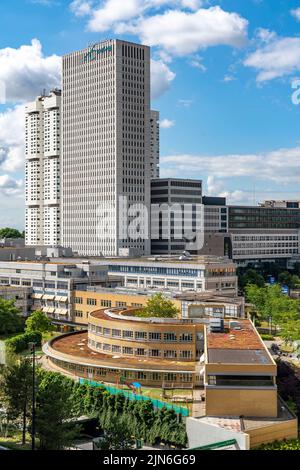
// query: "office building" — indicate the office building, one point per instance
point(42, 170)
point(52, 283)
point(268, 232)
point(155, 144)
point(106, 148)
point(175, 205)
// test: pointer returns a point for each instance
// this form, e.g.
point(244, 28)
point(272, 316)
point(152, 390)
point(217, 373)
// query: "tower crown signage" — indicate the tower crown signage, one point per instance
point(93, 53)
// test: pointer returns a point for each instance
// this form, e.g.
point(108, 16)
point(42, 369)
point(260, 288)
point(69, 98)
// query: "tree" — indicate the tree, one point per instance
point(8, 232)
point(16, 391)
point(54, 411)
point(38, 321)
point(159, 306)
point(285, 278)
point(10, 319)
point(117, 436)
point(251, 277)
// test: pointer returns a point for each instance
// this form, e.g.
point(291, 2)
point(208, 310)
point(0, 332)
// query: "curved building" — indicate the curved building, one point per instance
point(152, 351)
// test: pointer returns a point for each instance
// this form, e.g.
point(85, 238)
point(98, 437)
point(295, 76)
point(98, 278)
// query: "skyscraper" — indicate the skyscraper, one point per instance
point(42, 170)
point(106, 147)
point(154, 160)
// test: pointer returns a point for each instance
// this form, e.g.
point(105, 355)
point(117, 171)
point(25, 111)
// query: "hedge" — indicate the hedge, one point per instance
point(142, 420)
point(20, 342)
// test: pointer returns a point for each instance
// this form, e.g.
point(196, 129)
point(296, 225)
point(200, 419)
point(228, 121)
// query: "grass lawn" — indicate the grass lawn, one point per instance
point(157, 394)
point(14, 442)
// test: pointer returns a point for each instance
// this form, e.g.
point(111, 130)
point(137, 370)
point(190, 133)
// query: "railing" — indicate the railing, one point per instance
point(158, 404)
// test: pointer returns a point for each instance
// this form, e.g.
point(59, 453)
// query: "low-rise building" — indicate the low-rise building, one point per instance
point(52, 283)
point(241, 398)
point(178, 274)
point(21, 296)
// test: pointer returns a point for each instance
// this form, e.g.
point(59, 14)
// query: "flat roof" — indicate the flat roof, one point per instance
point(76, 348)
point(237, 346)
point(234, 356)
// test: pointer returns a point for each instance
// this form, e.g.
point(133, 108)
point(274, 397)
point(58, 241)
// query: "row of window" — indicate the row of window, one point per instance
point(141, 335)
point(129, 351)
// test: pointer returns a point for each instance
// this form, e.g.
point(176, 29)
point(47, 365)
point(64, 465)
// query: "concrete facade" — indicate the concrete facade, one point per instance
point(42, 170)
point(106, 146)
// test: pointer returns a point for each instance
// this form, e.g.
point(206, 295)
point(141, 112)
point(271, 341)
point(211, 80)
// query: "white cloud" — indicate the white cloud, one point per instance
point(296, 13)
point(81, 7)
point(185, 103)
point(26, 71)
point(279, 166)
point(265, 35)
point(229, 78)
point(11, 187)
point(278, 58)
point(111, 12)
point(12, 124)
point(184, 28)
point(166, 123)
point(161, 78)
point(196, 62)
point(181, 32)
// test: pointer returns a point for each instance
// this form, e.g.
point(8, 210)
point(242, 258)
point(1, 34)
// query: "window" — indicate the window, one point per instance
point(140, 352)
point(116, 333)
point(186, 354)
point(106, 331)
point(170, 354)
point(116, 349)
point(140, 335)
point(105, 303)
point(170, 337)
point(91, 301)
point(78, 300)
point(127, 334)
point(154, 352)
point(186, 337)
point(127, 350)
point(121, 304)
point(154, 336)
point(78, 313)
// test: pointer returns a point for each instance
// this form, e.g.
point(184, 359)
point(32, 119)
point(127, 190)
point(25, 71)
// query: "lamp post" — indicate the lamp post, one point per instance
point(32, 349)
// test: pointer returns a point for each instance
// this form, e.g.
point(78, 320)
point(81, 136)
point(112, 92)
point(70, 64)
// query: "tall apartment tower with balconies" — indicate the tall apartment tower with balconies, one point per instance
point(42, 170)
point(106, 147)
point(155, 145)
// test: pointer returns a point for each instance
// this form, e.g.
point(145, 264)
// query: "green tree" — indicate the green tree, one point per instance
point(252, 277)
point(159, 306)
point(8, 232)
point(16, 392)
point(54, 411)
point(117, 436)
point(10, 319)
point(38, 321)
point(285, 278)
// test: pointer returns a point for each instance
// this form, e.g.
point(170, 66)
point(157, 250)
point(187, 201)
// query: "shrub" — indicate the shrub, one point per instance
point(20, 342)
point(267, 337)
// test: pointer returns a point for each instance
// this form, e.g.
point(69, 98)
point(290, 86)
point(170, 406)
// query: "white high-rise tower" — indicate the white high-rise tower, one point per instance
point(106, 146)
point(42, 170)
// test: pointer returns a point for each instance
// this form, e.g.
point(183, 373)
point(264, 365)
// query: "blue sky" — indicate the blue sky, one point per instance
point(222, 81)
